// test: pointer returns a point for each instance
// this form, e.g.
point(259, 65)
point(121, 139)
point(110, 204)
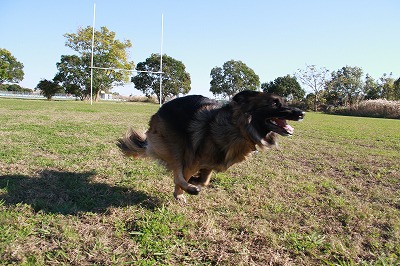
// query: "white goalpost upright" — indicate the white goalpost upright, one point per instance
point(162, 38)
point(91, 61)
point(119, 69)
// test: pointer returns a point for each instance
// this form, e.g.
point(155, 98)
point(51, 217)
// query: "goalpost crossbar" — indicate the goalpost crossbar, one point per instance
point(127, 70)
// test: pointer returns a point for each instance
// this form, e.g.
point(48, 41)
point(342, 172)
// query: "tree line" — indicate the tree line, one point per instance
point(345, 86)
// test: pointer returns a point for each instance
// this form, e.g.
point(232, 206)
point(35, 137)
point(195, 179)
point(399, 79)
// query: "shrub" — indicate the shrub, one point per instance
point(144, 99)
point(371, 108)
point(140, 98)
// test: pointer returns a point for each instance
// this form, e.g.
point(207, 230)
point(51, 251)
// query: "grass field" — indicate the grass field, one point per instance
point(330, 195)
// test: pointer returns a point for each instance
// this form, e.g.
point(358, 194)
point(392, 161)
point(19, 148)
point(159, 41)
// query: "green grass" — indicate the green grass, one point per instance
point(330, 195)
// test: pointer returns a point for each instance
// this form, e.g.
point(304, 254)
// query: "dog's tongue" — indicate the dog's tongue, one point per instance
point(282, 123)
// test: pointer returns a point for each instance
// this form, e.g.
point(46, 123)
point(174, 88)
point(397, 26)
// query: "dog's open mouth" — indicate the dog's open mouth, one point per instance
point(281, 126)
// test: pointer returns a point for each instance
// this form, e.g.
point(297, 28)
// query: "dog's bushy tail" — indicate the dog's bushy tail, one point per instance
point(133, 144)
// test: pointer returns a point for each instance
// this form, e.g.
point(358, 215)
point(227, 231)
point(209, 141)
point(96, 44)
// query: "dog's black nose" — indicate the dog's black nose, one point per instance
point(299, 114)
point(292, 113)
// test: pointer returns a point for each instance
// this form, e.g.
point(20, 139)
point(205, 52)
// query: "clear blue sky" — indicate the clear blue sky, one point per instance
point(274, 38)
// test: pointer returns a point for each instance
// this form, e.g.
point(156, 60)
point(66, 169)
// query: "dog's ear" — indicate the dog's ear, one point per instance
point(243, 97)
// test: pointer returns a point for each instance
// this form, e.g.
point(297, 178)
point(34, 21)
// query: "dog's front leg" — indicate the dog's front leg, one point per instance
point(178, 194)
point(181, 185)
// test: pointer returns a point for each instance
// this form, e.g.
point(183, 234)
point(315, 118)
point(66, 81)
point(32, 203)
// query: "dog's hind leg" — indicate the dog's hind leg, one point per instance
point(181, 184)
point(203, 178)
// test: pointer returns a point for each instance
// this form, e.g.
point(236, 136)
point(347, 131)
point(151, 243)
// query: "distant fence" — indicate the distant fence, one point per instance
point(35, 95)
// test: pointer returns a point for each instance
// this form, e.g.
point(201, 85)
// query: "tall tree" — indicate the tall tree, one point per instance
point(73, 74)
point(10, 69)
point(109, 52)
point(371, 89)
point(387, 87)
point(397, 89)
point(348, 84)
point(286, 86)
point(48, 88)
point(175, 79)
point(233, 77)
point(315, 79)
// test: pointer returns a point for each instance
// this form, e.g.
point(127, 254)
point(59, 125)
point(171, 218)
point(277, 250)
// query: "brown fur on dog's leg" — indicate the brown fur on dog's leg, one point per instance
point(178, 194)
point(203, 178)
point(181, 182)
point(190, 188)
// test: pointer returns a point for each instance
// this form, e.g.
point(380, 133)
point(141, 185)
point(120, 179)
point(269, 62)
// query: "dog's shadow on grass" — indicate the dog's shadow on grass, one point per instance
point(69, 193)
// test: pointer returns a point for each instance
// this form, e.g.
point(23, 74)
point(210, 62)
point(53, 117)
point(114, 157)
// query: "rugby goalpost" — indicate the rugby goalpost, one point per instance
point(119, 69)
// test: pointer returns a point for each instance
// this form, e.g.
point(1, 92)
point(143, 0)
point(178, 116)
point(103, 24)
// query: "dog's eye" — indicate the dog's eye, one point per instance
point(277, 103)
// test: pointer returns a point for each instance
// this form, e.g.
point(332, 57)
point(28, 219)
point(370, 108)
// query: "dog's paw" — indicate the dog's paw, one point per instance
point(193, 190)
point(180, 198)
